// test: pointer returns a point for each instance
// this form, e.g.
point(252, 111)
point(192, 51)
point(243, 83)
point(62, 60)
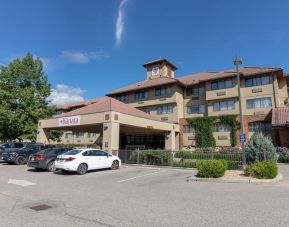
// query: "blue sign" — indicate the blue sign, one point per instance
point(242, 138)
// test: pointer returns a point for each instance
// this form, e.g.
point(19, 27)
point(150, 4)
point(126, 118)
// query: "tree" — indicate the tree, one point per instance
point(55, 135)
point(260, 148)
point(24, 89)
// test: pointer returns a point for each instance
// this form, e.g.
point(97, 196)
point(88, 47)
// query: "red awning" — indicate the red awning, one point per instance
point(280, 116)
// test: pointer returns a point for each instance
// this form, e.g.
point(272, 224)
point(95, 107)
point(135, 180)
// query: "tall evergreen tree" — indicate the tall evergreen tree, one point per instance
point(24, 89)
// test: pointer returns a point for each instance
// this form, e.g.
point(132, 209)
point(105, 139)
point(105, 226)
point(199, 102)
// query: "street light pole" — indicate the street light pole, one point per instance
point(237, 62)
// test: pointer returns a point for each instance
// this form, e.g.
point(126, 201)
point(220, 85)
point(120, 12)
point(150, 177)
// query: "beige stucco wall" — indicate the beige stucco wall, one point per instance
point(222, 139)
point(81, 140)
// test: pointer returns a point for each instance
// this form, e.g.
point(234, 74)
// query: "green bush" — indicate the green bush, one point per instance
point(260, 148)
point(262, 170)
point(211, 168)
point(283, 153)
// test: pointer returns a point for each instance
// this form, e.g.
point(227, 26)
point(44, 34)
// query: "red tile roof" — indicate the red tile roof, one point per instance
point(75, 104)
point(159, 61)
point(109, 104)
point(144, 84)
point(194, 78)
point(280, 116)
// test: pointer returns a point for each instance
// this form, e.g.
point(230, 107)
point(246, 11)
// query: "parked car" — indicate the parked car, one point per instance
point(11, 146)
point(82, 160)
point(45, 159)
point(20, 156)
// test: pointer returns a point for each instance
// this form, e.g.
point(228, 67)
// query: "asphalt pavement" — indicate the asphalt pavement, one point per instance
point(135, 196)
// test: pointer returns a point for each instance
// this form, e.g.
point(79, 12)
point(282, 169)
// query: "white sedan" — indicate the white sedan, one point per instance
point(82, 160)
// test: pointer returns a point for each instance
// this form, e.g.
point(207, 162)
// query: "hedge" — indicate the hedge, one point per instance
point(211, 168)
point(262, 170)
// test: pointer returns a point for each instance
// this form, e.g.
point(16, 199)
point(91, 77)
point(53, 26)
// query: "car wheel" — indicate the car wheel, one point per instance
point(51, 166)
point(115, 164)
point(82, 169)
point(20, 160)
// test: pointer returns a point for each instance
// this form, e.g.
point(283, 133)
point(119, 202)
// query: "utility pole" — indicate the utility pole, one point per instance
point(237, 62)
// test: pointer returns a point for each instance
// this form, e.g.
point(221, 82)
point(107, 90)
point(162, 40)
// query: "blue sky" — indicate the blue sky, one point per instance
point(90, 47)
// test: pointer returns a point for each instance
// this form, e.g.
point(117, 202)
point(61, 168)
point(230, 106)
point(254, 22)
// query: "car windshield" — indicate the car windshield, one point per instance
point(72, 152)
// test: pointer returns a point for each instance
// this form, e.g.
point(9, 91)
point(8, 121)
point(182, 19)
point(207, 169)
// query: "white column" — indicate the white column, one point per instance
point(110, 139)
point(170, 140)
point(42, 135)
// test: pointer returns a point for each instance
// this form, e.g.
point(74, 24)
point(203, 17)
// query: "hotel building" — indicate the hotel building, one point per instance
point(153, 113)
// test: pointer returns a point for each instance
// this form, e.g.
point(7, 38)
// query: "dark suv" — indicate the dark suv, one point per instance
point(11, 146)
point(20, 156)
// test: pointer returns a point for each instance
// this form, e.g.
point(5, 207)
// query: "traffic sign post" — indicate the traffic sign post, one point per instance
point(242, 138)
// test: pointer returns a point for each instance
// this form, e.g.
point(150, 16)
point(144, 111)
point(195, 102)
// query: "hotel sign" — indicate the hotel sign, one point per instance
point(69, 121)
point(155, 71)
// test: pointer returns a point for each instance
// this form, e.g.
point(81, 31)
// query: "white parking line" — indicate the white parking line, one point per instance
point(132, 178)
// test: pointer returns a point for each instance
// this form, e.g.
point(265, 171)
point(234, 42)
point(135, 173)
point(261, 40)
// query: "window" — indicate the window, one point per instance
point(164, 91)
point(166, 109)
point(219, 127)
point(91, 134)
point(257, 81)
point(79, 135)
point(260, 126)
point(217, 85)
point(224, 105)
point(259, 103)
point(99, 153)
point(68, 135)
point(122, 98)
point(195, 91)
point(7, 145)
point(72, 152)
point(18, 145)
point(140, 95)
point(196, 109)
point(189, 129)
point(58, 112)
point(145, 109)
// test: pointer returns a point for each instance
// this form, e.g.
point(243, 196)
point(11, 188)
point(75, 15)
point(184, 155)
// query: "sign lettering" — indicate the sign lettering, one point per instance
point(67, 121)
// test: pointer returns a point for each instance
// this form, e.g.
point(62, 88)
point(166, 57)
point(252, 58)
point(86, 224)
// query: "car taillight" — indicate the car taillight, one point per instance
point(39, 157)
point(69, 159)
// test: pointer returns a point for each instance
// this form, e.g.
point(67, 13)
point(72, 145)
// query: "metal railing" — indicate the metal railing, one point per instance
point(187, 159)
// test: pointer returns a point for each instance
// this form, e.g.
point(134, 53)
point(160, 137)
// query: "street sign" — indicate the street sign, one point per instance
point(242, 138)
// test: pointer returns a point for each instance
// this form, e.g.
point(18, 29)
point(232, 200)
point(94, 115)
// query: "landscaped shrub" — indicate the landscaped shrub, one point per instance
point(260, 148)
point(211, 168)
point(283, 153)
point(262, 170)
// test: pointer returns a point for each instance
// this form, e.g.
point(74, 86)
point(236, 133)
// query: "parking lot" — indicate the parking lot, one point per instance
point(136, 196)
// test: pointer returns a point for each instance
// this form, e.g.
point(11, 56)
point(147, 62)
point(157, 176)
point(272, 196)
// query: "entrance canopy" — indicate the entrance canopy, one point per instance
point(110, 117)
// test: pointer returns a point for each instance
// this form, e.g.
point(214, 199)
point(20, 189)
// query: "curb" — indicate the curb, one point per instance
point(245, 181)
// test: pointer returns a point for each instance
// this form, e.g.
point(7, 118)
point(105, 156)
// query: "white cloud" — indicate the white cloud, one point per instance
point(81, 57)
point(73, 57)
point(120, 22)
point(65, 94)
